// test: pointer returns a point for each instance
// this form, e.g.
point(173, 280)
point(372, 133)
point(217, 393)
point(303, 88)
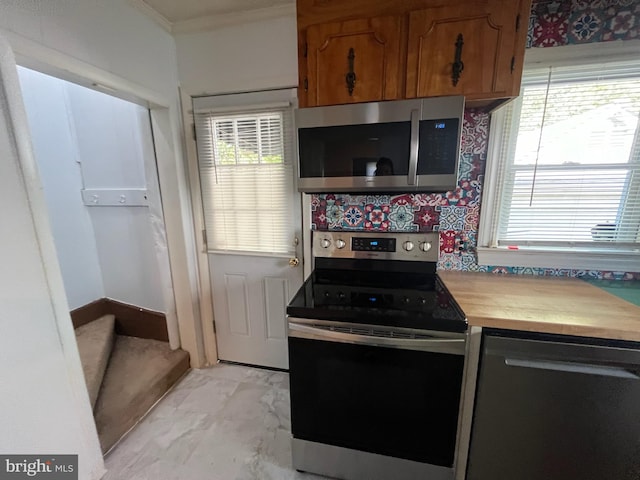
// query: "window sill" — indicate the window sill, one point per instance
point(560, 258)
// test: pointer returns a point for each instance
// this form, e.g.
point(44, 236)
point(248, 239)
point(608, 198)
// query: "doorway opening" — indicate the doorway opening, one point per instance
point(96, 159)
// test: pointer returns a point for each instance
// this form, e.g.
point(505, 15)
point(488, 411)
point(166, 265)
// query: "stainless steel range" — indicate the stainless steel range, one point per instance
point(376, 354)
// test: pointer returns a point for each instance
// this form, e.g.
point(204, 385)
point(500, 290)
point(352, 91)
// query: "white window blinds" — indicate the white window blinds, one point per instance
point(246, 175)
point(570, 159)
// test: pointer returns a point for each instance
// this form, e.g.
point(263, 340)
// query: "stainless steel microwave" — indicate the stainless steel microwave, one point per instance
point(402, 145)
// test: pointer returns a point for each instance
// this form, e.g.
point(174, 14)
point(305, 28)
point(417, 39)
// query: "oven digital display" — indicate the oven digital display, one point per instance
point(371, 300)
point(373, 244)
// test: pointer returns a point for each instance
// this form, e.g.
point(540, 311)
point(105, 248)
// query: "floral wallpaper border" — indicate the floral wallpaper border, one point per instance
point(553, 23)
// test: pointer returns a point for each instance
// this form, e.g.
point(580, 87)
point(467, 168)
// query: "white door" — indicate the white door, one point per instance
point(252, 218)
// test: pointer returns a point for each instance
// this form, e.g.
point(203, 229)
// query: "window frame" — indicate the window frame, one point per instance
point(562, 257)
point(242, 104)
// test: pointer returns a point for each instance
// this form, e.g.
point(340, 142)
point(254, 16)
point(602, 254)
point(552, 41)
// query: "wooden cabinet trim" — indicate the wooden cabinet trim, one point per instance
point(373, 33)
point(310, 12)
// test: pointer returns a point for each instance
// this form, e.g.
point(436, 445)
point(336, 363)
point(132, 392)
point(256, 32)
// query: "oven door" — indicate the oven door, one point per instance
point(371, 392)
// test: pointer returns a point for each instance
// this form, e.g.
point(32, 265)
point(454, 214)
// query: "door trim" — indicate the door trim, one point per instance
point(204, 280)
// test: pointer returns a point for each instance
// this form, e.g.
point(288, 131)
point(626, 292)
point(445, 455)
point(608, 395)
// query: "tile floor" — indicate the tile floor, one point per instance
point(226, 422)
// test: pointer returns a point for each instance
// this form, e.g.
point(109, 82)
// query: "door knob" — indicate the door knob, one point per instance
point(294, 262)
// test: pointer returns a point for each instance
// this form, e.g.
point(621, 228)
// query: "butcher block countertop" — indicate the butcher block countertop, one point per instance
point(566, 306)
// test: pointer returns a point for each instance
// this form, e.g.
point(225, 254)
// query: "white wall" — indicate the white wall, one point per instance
point(252, 56)
point(109, 134)
point(44, 404)
point(107, 34)
point(56, 152)
point(87, 139)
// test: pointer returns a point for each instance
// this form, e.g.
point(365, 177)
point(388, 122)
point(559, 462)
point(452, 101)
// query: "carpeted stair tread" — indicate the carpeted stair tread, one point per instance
point(139, 373)
point(95, 341)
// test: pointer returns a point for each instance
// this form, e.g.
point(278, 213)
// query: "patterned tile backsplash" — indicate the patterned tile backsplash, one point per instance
point(455, 214)
point(553, 23)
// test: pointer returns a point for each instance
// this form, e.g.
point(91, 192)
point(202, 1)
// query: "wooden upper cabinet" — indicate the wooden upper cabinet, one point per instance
point(473, 49)
point(352, 61)
point(410, 48)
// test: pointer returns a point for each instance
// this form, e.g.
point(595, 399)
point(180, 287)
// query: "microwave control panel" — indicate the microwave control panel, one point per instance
point(439, 146)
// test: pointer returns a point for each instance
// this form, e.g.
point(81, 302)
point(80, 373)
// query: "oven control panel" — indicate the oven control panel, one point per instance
point(374, 244)
point(422, 247)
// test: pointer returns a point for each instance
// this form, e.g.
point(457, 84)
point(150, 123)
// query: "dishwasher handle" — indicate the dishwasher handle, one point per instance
point(558, 350)
point(571, 367)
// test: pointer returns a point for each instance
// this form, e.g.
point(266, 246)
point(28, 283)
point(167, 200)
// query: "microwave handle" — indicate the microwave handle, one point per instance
point(415, 144)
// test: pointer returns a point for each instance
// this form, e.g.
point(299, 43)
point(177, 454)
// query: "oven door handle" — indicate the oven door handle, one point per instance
point(454, 346)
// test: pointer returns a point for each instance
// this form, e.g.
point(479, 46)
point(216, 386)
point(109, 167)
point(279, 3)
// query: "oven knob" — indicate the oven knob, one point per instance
point(340, 243)
point(425, 246)
point(327, 294)
point(408, 246)
point(326, 243)
point(422, 300)
point(406, 299)
point(341, 295)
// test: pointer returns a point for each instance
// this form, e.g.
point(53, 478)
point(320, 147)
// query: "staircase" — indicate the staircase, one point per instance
point(125, 375)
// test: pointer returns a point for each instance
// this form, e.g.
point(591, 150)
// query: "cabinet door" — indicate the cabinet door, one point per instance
point(353, 61)
point(464, 50)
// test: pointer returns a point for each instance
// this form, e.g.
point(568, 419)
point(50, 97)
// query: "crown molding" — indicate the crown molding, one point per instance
point(211, 22)
point(152, 13)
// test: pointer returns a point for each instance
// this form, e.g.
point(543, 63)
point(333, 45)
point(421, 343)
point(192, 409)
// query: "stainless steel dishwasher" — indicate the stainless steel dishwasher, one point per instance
point(556, 408)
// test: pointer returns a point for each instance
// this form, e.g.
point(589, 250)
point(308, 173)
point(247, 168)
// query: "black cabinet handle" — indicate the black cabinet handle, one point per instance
point(351, 75)
point(458, 66)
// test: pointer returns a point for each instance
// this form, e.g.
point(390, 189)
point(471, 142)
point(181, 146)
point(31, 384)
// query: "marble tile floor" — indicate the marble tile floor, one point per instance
point(227, 422)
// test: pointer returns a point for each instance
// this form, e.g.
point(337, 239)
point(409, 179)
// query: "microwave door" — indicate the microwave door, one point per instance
point(352, 156)
point(395, 146)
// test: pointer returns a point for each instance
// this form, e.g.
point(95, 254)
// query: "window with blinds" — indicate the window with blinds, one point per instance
point(246, 175)
point(569, 159)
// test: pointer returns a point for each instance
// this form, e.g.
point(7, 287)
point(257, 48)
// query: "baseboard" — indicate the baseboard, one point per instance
point(139, 322)
point(130, 320)
point(89, 312)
